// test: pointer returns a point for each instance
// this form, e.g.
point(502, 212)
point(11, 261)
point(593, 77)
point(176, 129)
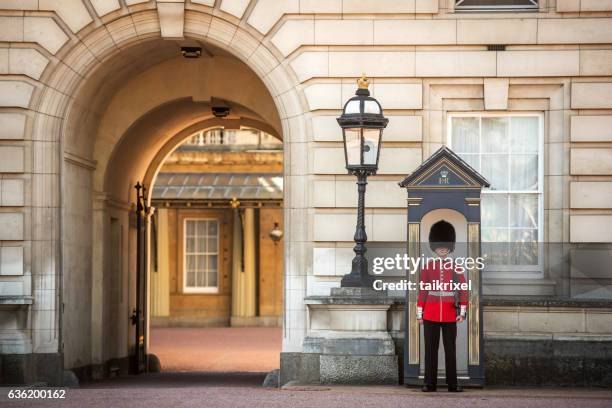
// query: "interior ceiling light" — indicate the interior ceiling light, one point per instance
point(220, 111)
point(191, 52)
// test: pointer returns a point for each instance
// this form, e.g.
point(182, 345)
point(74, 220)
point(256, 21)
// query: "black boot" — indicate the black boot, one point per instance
point(428, 388)
point(455, 388)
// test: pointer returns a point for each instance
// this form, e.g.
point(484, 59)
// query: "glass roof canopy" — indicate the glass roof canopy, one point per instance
point(218, 186)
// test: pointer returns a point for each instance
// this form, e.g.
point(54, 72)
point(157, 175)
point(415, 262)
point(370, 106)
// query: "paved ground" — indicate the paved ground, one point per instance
point(185, 390)
point(255, 351)
point(220, 349)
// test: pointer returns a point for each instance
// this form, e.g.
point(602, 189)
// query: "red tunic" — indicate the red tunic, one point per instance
point(439, 305)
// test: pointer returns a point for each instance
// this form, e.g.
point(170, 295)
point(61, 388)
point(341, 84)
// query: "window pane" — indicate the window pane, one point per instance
point(472, 159)
point(212, 244)
point(201, 279)
point(508, 151)
point(494, 135)
point(492, 235)
point(495, 169)
point(201, 268)
point(201, 263)
point(495, 246)
point(495, 253)
point(212, 228)
point(523, 247)
point(524, 210)
point(190, 245)
point(191, 279)
point(465, 135)
point(201, 244)
point(212, 262)
point(190, 227)
point(524, 172)
point(201, 231)
point(191, 263)
point(494, 212)
point(525, 134)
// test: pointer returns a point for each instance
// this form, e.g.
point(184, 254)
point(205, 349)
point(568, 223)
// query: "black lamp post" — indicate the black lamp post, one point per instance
point(362, 124)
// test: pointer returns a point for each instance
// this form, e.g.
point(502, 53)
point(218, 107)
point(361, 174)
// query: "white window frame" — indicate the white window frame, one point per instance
point(199, 289)
point(513, 271)
point(493, 7)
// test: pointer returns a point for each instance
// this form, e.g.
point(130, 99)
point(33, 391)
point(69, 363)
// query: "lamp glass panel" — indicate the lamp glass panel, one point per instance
point(371, 107)
point(371, 139)
point(352, 107)
point(352, 144)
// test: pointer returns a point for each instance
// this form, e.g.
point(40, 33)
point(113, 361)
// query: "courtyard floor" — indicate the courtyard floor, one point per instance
point(186, 390)
point(225, 367)
point(218, 349)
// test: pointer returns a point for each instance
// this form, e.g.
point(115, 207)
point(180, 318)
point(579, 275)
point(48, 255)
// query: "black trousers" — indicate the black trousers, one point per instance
point(432, 343)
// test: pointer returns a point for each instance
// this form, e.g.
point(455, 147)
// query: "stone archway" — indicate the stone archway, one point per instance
point(67, 139)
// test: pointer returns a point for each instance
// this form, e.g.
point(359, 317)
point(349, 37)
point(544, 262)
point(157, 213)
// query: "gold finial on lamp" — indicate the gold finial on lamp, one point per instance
point(363, 82)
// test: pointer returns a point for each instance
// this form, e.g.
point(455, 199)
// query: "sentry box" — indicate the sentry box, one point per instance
point(445, 188)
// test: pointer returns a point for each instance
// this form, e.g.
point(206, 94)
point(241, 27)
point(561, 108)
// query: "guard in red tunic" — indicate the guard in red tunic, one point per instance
point(439, 308)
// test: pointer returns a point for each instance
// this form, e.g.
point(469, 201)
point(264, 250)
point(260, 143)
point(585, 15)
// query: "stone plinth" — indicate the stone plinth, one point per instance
point(349, 339)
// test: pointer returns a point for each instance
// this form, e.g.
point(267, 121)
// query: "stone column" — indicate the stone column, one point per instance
point(160, 278)
point(243, 272)
point(99, 264)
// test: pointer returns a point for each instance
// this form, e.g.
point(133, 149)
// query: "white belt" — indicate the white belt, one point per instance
point(441, 293)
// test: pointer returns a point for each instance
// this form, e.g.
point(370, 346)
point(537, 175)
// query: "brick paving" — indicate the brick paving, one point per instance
point(186, 390)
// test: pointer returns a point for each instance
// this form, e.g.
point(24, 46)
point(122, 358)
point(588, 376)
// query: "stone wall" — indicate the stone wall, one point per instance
point(61, 62)
point(538, 342)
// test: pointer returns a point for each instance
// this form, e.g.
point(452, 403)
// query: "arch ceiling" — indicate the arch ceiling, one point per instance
point(156, 134)
point(130, 94)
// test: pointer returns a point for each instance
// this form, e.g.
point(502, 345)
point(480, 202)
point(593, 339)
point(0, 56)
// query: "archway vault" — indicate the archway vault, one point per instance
point(140, 149)
point(97, 93)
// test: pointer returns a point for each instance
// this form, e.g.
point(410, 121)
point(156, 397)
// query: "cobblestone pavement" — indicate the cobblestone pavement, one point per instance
point(254, 349)
point(185, 390)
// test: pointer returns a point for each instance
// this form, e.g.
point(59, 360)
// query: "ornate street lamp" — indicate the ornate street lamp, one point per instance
point(362, 124)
